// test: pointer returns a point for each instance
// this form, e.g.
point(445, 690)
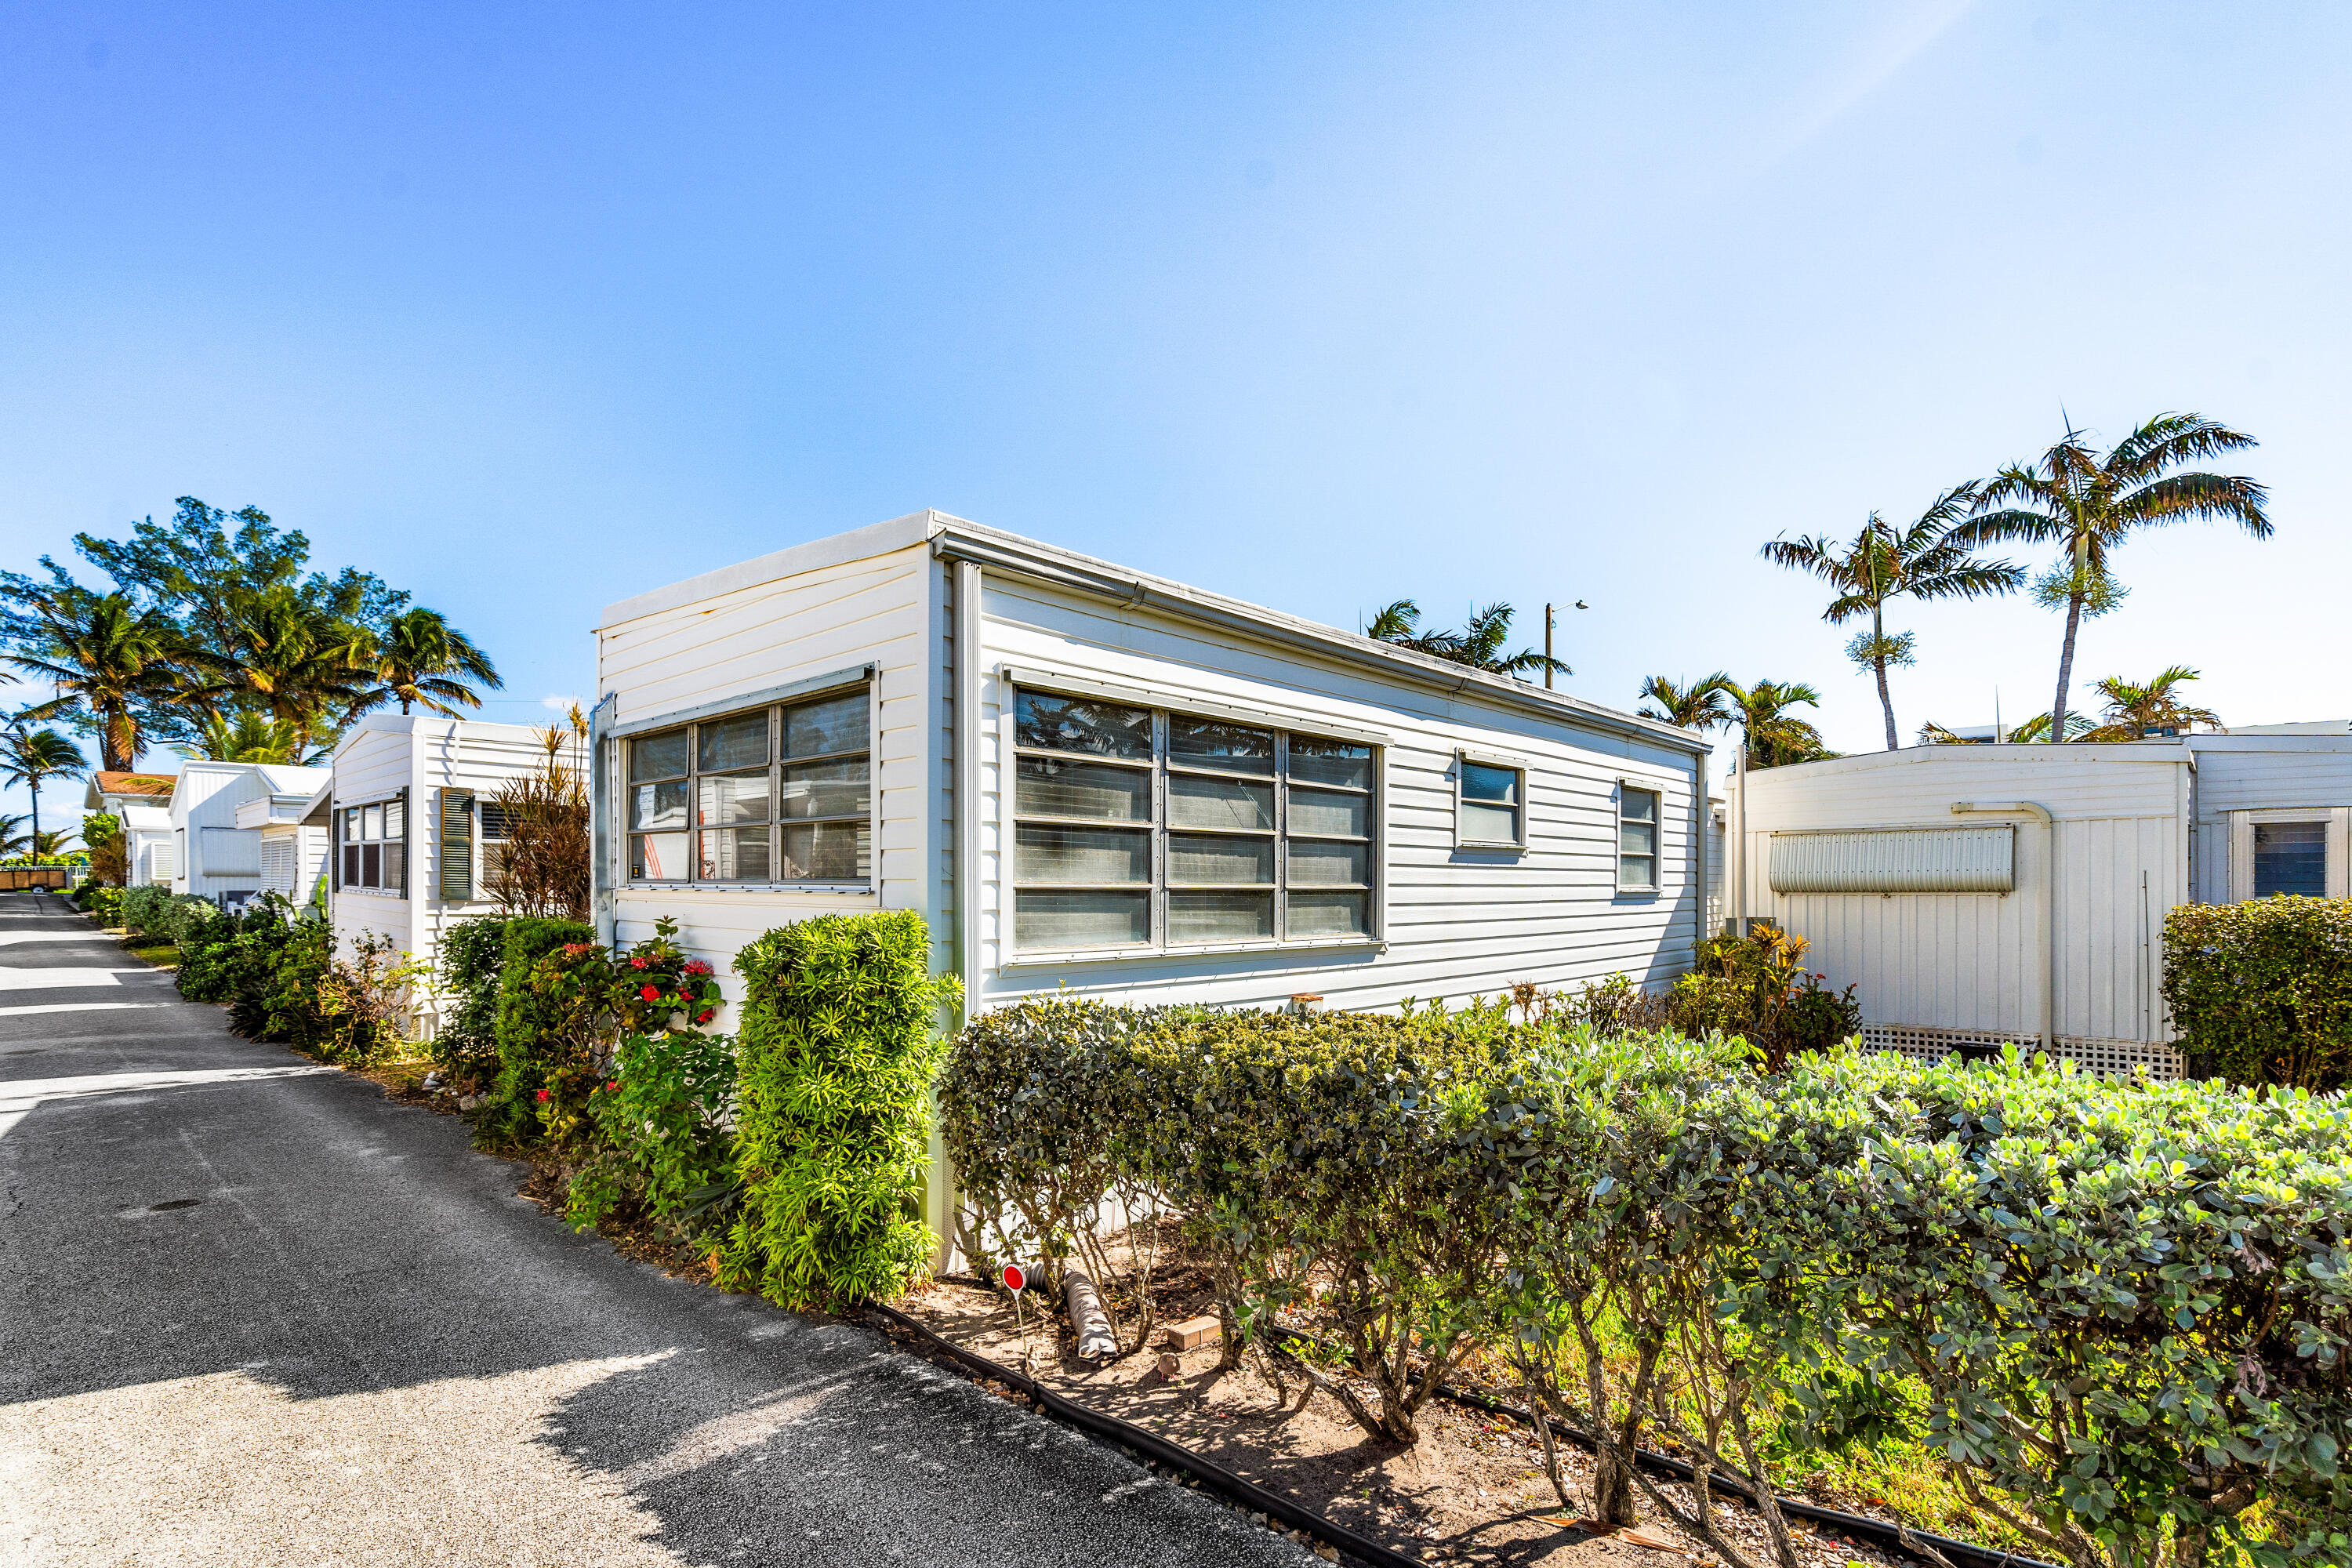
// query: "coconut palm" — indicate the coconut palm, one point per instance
point(1771, 735)
point(13, 840)
point(1697, 706)
point(250, 737)
point(2088, 505)
point(1930, 558)
point(300, 666)
point(2138, 709)
point(107, 660)
point(416, 660)
point(1478, 644)
point(28, 756)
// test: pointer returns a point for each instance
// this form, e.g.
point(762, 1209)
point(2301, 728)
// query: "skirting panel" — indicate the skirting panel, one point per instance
point(2112, 1057)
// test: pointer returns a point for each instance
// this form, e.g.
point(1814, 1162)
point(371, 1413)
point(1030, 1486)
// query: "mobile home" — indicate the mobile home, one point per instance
point(218, 812)
point(142, 804)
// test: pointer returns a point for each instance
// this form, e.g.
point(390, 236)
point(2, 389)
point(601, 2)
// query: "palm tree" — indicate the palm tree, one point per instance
point(1772, 736)
point(1478, 644)
point(1932, 558)
point(249, 737)
point(2138, 710)
point(107, 660)
point(301, 665)
point(1698, 706)
point(2088, 505)
point(28, 756)
point(414, 661)
point(13, 840)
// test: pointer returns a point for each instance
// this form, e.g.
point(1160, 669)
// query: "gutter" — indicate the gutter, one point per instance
point(2048, 963)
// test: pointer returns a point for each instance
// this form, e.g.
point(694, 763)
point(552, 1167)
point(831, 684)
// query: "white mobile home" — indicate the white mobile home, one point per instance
point(218, 812)
point(1977, 894)
point(412, 828)
point(142, 804)
point(1087, 777)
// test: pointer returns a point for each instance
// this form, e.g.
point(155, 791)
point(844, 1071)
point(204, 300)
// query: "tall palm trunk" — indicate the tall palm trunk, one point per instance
point(2065, 669)
point(1878, 663)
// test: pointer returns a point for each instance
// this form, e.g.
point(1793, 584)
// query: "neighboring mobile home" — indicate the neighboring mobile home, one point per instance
point(412, 827)
point(1977, 894)
point(143, 803)
point(218, 812)
point(1092, 780)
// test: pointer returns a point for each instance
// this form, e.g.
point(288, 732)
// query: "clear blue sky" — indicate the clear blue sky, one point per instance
point(531, 307)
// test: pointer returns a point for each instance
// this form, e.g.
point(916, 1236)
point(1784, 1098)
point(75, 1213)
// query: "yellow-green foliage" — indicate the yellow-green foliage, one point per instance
point(838, 1048)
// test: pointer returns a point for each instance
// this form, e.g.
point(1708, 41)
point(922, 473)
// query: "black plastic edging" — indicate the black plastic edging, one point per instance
point(1212, 1477)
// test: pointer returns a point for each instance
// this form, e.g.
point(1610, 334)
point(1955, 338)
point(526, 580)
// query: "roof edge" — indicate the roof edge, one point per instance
point(834, 549)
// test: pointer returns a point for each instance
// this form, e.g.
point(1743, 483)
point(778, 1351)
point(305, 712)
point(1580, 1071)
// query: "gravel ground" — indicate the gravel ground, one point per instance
point(253, 1312)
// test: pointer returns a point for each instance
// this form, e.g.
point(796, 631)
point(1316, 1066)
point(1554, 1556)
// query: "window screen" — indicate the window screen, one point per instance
point(2291, 857)
point(1637, 840)
point(1138, 827)
point(779, 795)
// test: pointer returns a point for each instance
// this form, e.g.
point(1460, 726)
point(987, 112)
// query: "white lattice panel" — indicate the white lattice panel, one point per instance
point(2112, 1057)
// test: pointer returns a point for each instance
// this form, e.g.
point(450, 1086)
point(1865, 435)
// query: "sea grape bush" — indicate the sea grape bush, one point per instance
point(2127, 1305)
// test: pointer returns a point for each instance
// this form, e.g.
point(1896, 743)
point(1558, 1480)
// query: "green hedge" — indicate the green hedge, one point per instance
point(465, 1045)
point(526, 1020)
point(2126, 1307)
point(2261, 993)
point(838, 1049)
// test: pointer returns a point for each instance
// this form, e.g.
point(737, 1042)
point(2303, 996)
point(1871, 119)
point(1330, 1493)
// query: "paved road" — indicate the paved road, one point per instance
point(251, 1311)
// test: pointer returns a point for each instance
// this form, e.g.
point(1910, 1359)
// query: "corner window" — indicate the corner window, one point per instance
point(1637, 840)
point(2291, 857)
point(1140, 828)
point(778, 795)
point(375, 846)
point(1490, 804)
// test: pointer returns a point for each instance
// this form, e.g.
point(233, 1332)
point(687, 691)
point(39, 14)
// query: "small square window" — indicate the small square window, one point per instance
point(1493, 805)
point(2291, 857)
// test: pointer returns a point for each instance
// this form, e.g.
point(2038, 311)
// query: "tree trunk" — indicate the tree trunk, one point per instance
point(1885, 699)
point(2066, 668)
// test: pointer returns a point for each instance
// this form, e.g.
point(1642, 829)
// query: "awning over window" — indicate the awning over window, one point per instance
point(1897, 860)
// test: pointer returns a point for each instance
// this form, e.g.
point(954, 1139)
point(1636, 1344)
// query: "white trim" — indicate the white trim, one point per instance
point(1029, 678)
point(2239, 832)
point(1465, 759)
point(1656, 888)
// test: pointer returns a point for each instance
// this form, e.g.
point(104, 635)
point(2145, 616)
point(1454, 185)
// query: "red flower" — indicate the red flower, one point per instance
point(636, 964)
point(697, 967)
point(543, 1094)
point(651, 993)
point(614, 1087)
point(703, 1016)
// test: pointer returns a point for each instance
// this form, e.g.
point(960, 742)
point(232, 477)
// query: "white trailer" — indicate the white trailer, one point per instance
point(218, 811)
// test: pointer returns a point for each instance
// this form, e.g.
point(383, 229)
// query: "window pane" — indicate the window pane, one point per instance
point(1220, 917)
point(393, 860)
point(1218, 803)
point(351, 865)
point(1638, 837)
point(734, 743)
point(1082, 724)
point(1058, 921)
point(1330, 762)
point(658, 857)
point(1480, 781)
point(1052, 787)
point(351, 824)
point(488, 859)
point(1345, 864)
point(734, 855)
point(837, 724)
point(827, 789)
point(1329, 914)
point(1489, 823)
point(658, 804)
point(1636, 872)
point(1638, 805)
point(495, 823)
point(395, 819)
point(657, 756)
point(372, 821)
point(827, 852)
point(1318, 811)
point(1204, 743)
point(371, 865)
point(728, 797)
point(1195, 860)
point(1082, 854)
point(2291, 857)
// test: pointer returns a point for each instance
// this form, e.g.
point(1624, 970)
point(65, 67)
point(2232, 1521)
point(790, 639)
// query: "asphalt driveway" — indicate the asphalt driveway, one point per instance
point(251, 1311)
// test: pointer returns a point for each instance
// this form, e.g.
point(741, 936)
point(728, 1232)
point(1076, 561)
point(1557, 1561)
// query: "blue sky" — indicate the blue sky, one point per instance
point(531, 307)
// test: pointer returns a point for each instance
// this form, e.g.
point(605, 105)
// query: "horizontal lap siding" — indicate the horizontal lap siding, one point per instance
point(1459, 924)
point(2245, 775)
point(371, 766)
point(876, 611)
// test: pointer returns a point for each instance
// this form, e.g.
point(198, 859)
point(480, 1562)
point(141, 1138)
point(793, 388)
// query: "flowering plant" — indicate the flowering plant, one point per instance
point(601, 999)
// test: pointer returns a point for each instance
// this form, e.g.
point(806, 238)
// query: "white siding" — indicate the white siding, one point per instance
point(1459, 922)
point(1971, 960)
point(2260, 773)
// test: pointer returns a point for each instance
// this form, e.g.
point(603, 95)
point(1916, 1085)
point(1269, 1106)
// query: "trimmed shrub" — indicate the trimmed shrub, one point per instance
point(142, 909)
point(240, 954)
point(838, 1049)
point(465, 1047)
point(2262, 992)
point(526, 1019)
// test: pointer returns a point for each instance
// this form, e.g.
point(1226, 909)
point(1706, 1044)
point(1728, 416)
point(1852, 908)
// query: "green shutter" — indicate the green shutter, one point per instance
point(456, 846)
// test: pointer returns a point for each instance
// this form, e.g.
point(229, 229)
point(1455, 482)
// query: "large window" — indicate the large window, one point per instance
point(777, 795)
point(1138, 828)
point(375, 844)
point(2291, 857)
